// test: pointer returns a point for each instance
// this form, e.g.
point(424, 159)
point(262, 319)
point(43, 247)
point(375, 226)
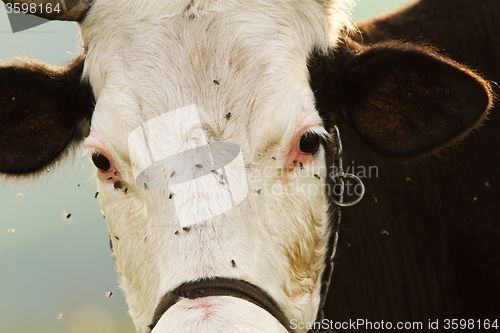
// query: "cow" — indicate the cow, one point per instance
point(213, 129)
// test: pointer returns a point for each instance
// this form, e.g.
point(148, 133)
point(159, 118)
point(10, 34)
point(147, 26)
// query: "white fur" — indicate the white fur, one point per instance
point(246, 58)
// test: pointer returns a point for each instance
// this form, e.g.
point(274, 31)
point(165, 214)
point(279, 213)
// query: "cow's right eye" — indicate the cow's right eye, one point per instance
point(101, 162)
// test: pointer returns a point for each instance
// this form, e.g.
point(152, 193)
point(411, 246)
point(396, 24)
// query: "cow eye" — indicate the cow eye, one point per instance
point(101, 162)
point(309, 143)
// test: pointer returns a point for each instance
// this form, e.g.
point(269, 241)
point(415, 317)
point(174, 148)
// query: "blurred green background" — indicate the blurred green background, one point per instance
point(56, 273)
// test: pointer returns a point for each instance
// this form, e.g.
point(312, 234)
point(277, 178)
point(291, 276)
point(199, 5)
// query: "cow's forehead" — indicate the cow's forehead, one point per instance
point(247, 59)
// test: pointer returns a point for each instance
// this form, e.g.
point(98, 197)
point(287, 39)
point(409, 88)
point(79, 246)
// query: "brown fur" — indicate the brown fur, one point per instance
point(34, 133)
point(441, 256)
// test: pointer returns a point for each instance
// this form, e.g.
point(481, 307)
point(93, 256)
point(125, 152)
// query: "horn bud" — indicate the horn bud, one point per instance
point(68, 10)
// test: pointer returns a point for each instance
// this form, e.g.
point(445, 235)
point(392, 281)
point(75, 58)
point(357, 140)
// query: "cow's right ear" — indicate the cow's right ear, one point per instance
point(44, 110)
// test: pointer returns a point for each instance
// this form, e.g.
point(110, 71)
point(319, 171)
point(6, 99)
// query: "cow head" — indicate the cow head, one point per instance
point(209, 147)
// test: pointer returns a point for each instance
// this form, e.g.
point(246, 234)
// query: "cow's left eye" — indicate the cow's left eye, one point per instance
point(309, 143)
point(101, 162)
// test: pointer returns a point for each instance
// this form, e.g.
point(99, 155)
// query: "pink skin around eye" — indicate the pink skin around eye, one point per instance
point(112, 175)
point(296, 157)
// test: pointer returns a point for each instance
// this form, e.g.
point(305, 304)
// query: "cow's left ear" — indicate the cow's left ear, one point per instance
point(43, 111)
point(407, 100)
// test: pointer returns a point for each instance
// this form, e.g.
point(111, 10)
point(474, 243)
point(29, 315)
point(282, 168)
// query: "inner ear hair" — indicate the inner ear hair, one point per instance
point(408, 100)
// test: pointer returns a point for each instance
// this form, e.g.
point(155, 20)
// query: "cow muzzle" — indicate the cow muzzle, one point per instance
point(220, 286)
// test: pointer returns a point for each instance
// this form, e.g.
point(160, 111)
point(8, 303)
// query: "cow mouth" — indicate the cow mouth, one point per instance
point(220, 286)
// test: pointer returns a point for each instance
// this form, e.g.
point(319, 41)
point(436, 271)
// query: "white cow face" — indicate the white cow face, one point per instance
point(208, 145)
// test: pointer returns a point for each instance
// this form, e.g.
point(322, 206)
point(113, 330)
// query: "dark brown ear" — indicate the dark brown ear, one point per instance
point(43, 111)
point(407, 100)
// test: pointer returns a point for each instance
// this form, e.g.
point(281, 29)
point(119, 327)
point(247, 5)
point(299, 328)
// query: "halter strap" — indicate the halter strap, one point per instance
point(219, 286)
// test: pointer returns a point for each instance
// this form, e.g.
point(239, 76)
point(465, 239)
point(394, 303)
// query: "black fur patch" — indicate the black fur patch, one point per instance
point(43, 110)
